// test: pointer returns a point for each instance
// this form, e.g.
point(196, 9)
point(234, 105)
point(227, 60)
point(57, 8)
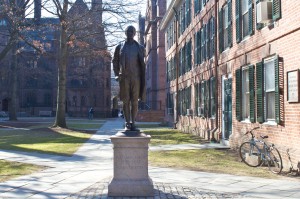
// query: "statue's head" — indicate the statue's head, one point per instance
point(130, 32)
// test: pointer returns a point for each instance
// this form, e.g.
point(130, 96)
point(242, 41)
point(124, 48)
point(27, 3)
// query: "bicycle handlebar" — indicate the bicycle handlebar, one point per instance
point(251, 131)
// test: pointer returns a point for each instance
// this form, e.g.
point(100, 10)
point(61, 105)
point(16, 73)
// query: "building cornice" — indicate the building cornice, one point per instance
point(169, 14)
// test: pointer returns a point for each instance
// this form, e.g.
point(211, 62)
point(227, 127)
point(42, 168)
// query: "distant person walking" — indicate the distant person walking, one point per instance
point(91, 113)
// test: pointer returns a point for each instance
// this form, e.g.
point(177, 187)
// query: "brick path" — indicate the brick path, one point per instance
point(162, 191)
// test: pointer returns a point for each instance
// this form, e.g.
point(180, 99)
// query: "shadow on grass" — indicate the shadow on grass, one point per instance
point(55, 141)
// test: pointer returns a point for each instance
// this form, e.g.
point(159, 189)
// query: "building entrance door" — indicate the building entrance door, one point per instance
point(226, 109)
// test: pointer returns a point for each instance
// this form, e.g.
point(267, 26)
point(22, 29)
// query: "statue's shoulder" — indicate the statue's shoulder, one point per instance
point(120, 45)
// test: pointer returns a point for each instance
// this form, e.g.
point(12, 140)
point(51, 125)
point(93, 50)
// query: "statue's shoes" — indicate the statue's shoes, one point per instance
point(127, 127)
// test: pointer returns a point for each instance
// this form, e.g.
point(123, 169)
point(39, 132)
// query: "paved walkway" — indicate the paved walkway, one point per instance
point(86, 175)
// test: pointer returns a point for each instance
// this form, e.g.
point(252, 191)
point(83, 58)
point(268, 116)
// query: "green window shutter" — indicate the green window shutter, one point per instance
point(230, 23)
point(260, 92)
point(207, 40)
point(221, 35)
point(202, 45)
point(238, 21)
point(276, 9)
point(213, 36)
point(202, 99)
point(199, 47)
point(251, 31)
point(212, 98)
point(196, 49)
point(196, 6)
point(205, 44)
point(190, 54)
point(259, 26)
point(238, 94)
point(277, 91)
point(206, 99)
point(167, 71)
point(252, 93)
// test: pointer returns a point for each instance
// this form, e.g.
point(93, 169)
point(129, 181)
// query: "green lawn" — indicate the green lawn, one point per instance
point(10, 170)
point(208, 160)
point(84, 125)
point(170, 136)
point(46, 140)
point(39, 137)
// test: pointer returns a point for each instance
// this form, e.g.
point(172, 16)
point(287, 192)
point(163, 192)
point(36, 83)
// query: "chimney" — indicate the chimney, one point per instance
point(37, 10)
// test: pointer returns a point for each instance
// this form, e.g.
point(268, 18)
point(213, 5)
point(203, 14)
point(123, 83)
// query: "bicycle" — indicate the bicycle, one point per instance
point(254, 155)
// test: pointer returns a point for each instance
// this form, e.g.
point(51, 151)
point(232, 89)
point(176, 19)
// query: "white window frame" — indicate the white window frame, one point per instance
point(245, 15)
point(267, 91)
point(226, 26)
point(245, 94)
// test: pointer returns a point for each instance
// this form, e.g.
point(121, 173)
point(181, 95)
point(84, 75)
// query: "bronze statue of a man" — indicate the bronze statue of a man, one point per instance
point(129, 69)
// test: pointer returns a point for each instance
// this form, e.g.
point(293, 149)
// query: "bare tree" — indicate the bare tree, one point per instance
point(83, 30)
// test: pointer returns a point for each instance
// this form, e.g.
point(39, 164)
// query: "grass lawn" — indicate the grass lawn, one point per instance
point(171, 136)
point(10, 170)
point(39, 137)
point(207, 160)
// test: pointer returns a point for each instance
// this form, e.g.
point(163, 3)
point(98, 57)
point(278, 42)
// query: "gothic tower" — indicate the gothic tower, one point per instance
point(37, 10)
point(97, 9)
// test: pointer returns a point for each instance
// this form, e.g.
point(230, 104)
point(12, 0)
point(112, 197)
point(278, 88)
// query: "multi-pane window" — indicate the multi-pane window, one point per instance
point(266, 93)
point(269, 77)
point(244, 19)
point(197, 44)
point(170, 103)
point(245, 16)
point(184, 15)
point(197, 99)
point(245, 100)
point(245, 94)
point(184, 98)
point(171, 34)
point(225, 26)
point(203, 98)
point(171, 70)
point(211, 37)
point(212, 88)
point(267, 90)
point(185, 55)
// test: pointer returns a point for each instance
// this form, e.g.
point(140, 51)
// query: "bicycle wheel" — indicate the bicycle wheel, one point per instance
point(250, 154)
point(274, 161)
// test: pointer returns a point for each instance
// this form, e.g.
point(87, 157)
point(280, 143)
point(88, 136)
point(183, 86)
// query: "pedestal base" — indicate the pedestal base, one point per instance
point(131, 165)
point(134, 188)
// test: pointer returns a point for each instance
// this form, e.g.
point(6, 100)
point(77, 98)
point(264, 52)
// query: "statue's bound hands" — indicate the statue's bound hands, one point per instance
point(117, 78)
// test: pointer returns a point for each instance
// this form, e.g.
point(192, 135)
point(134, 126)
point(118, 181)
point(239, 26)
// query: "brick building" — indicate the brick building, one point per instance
point(233, 65)
point(155, 55)
point(88, 74)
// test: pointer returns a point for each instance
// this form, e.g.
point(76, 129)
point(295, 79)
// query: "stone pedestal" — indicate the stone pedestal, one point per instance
point(130, 165)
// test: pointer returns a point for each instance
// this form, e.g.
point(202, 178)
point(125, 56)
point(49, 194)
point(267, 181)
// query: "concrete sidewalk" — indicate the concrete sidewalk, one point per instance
point(87, 173)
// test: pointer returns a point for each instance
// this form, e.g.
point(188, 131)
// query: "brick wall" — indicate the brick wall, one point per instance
point(281, 39)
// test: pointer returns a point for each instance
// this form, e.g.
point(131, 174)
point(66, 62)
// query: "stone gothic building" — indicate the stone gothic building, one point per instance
point(88, 68)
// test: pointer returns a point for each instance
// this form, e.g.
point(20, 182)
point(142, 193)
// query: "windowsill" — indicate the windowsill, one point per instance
point(247, 121)
point(245, 38)
point(271, 123)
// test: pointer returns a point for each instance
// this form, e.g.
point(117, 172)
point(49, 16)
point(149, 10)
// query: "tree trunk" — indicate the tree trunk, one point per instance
point(60, 120)
point(12, 110)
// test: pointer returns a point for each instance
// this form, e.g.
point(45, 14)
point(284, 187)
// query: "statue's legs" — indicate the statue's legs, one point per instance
point(126, 102)
point(135, 90)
